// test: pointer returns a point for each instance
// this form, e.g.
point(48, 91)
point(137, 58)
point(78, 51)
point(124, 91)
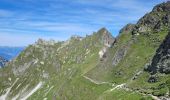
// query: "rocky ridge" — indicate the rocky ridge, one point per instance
point(156, 20)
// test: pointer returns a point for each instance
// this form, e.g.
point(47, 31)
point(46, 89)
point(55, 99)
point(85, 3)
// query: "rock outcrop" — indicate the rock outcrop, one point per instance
point(161, 60)
point(155, 20)
point(106, 38)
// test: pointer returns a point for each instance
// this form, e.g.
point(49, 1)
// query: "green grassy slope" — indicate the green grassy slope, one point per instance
point(73, 70)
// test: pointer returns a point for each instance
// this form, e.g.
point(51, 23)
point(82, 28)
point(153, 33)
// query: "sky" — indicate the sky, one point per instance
point(22, 22)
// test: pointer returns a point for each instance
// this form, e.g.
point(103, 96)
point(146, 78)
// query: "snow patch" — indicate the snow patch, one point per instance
point(4, 96)
point(87, 51)
point(19, 94)
point(18, 86)
point(33, 91)
point(42, 63)
point(36, 61)
point(9, 79)
point(102, 52)
point(45, 99)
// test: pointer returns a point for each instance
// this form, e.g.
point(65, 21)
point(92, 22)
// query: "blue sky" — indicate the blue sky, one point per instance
point(22, 22)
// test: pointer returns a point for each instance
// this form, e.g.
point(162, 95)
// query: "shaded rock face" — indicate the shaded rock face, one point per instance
point(3, 62)
point(120, 53)
point(161, 60)
point(166, 19)
point(152, 79)
point(155, 20)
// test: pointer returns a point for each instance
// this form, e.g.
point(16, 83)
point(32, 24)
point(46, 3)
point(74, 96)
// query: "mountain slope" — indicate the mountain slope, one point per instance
point(57, 63)
point(97, 67)
point(160, 62)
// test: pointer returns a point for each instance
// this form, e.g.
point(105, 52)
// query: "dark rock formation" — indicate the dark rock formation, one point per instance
point(152, 79)
point(121, 53)
point(155, 20)
point(161, 60)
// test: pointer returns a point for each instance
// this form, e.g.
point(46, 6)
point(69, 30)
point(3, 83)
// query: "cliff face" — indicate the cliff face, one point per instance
point(155, 20)
point(161, 60)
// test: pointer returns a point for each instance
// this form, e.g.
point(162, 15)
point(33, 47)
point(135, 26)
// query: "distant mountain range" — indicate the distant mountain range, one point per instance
point(9, 53)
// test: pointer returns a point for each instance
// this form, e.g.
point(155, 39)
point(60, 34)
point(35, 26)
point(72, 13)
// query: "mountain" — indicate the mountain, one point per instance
point(10, 52)
point(3, 62)
point(132, 66)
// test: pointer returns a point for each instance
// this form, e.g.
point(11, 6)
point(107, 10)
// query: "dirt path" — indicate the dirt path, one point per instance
point(95, 82)
point(120, 86)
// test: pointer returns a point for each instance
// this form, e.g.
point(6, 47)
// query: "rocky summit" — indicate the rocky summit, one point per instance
point(135, 65)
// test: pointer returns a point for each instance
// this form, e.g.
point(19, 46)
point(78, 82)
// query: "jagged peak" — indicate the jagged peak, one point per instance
point(103, 34)
point(106, 37)
point(103, 31)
